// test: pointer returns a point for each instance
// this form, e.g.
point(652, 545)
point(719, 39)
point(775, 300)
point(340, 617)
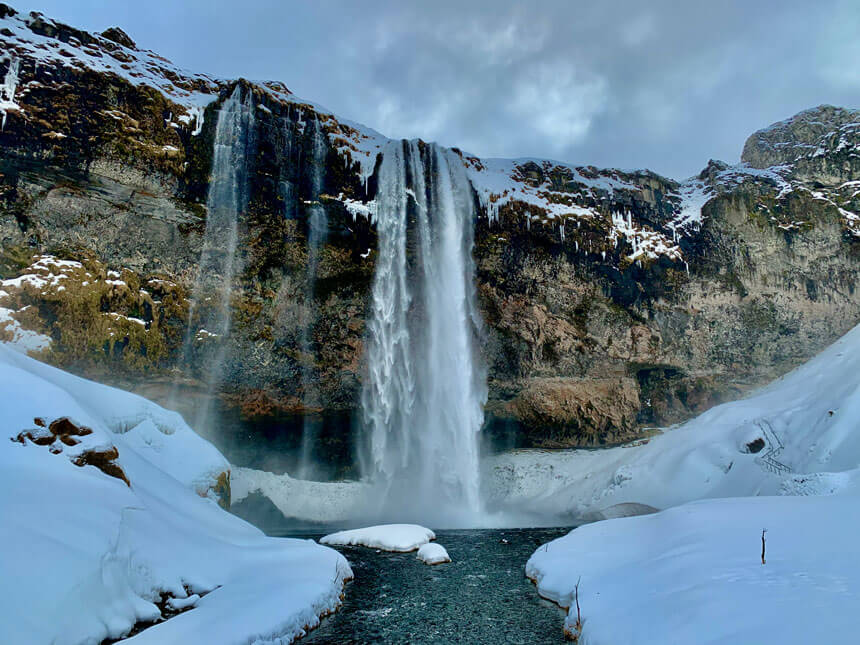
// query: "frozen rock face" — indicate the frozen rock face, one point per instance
point(811, 141)
point(611, 300)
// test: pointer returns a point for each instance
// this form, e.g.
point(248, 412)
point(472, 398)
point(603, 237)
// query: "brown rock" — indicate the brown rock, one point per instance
point(579, 412)
point(104, 460)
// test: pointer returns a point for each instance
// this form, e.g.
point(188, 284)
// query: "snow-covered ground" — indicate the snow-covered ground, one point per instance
point(693, 574)
point(387, 537)
point(85, 554)
point(786, 459)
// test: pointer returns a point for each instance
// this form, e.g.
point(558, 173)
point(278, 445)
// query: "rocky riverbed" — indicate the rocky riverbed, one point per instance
point(482, 596)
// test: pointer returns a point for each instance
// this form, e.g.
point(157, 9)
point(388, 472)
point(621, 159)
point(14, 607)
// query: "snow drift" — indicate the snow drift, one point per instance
point(693, 574)
point(109, 517)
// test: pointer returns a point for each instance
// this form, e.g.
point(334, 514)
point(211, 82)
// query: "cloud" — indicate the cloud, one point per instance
point(555, 103)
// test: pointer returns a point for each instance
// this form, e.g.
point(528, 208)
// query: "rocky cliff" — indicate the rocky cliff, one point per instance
point(612, 301)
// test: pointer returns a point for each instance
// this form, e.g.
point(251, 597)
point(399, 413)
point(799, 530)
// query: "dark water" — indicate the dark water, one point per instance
point(482, 596)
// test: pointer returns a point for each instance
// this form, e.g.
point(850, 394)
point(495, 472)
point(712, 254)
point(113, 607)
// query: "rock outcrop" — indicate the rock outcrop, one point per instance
point(612, 300)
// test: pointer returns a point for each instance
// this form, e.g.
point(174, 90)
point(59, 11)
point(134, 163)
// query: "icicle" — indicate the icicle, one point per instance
point(7, 90)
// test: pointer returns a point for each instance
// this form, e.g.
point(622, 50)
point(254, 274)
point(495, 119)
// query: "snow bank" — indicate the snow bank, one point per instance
point(388, 537)
point(433, 554)
point(803, 426)
point(693, 574)
point(86, 555)
point(297, 498)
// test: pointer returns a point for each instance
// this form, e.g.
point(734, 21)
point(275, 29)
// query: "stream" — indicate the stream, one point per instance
point(482, 596)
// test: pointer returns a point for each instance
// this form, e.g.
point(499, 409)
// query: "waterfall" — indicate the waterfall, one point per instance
point(209, 314)
point(426, 387)
point(317, 233)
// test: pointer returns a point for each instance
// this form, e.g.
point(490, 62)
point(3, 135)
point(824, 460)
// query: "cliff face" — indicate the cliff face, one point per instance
point(611, 300)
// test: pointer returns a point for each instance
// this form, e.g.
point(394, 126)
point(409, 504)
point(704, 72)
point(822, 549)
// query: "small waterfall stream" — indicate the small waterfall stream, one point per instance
point(209, 316)
point(424, 396)
point(317, 233)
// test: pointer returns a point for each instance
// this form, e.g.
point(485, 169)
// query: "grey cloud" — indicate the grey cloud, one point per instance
point(663, 84)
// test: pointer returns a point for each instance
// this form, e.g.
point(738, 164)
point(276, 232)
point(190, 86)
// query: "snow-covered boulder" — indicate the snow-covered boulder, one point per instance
point(387, 537)
point(109, 520)
point(432, 553)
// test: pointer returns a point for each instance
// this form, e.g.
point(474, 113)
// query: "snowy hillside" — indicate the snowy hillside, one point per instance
point(110, 521)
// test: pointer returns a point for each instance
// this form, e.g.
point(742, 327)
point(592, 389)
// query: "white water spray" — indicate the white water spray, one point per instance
point(424, 396)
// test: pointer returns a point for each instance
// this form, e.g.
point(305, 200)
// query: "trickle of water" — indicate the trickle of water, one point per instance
point(424, 396)
point(317, 233)
point(209, 316)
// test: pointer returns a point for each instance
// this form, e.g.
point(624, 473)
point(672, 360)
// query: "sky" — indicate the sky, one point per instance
point(664, 84)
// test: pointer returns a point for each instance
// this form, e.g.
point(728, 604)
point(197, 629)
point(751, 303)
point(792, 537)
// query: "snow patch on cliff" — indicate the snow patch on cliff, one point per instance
point(694, 194)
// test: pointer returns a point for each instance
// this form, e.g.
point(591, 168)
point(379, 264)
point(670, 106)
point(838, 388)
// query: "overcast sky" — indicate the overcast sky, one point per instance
point(663, 84)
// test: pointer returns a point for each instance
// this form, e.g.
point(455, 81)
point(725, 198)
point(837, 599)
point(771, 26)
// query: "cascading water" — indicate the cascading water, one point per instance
point(317, 233)
point(424, 395)
point(209, 315)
